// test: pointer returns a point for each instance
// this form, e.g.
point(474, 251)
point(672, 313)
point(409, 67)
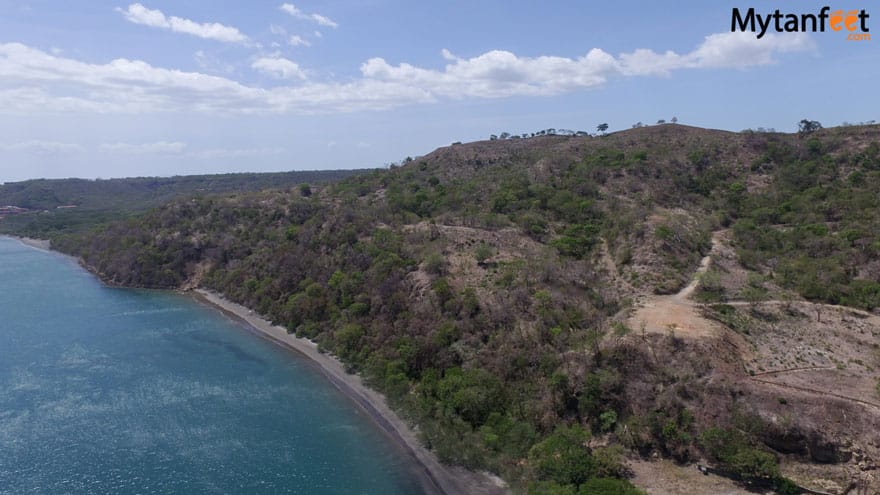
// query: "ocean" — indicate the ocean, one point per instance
point(107, 390)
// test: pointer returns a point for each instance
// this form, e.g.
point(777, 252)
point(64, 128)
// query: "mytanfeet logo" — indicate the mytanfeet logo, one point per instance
point(853, 22)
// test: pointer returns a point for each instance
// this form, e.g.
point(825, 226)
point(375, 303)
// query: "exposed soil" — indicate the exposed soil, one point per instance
point(810, 371)
point(677, 315)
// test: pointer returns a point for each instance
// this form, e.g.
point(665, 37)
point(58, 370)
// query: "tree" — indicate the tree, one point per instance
point(505, 135)
point(661, 121)
point(564, 456)
point(305, 190)
point(674, 120)
point(807, 126)
point(602, 128)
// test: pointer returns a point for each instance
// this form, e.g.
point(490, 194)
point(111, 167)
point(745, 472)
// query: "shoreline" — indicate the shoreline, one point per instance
point(42, 244)
point(436, 477)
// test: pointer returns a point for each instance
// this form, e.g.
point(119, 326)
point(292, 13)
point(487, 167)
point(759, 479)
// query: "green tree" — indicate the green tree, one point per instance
point(807, 126)
point(564, 457)
point(602, 128)
point(608, 486)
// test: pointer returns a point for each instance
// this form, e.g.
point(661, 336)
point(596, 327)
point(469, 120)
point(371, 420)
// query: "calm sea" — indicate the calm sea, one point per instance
point(108, 390)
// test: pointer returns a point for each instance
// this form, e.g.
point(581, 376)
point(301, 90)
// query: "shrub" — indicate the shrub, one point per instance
point(564, 457)
point(472, 394)
point(608, 486)
point(577, 240)
point(483, 252)
point(736, 452)
point(607, 420)
point(609, 462)
point(435, 264)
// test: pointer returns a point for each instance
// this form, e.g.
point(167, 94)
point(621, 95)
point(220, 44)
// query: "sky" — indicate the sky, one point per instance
point(105, 88)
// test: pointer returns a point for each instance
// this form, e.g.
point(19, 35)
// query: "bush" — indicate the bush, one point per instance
point(577, 240)
point(435, 264)
point(609, 462)
point(736, 452)
point(472, 394)
point(551, 488)
point(754, 463)
point(608, 486)
point(483, 252)
point(563, 457)
point(607, 420)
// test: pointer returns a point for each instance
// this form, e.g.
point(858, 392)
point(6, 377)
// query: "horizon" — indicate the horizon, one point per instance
point(161, 88)
point(385, 166)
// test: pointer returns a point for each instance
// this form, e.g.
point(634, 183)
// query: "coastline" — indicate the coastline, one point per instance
point(434, 476)
point(437, 478)
point(44, 244)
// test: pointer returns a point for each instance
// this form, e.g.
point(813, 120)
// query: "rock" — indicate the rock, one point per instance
point(788, 441)
point(825, 451)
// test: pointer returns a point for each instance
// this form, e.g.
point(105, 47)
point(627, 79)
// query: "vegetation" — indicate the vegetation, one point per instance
point(471, 285)
point(737, 451)
point(815, 230)
point(59, 206)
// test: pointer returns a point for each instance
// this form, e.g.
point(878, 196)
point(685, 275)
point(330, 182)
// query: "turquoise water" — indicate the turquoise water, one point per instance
point(108, 390)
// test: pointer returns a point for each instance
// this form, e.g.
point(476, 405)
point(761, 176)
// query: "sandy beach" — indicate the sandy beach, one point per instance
point(43, 244)
point(437, 478)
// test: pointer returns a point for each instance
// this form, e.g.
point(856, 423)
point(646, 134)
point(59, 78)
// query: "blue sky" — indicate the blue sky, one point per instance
point(115, 89)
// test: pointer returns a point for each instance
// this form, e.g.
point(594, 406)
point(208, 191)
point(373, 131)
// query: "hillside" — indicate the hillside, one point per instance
point(548, 308)
point(45, 207)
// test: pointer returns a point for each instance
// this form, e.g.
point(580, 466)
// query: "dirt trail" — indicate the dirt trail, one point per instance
point(816, 392)
point(704, 266)
point(677, 314)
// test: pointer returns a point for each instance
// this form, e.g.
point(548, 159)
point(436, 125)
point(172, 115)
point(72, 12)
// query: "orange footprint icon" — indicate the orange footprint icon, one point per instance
point(836, 20)
point(852, 18)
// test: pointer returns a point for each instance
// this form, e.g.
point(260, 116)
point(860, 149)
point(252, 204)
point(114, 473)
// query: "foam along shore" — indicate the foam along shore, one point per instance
point(43, 244)
point(437, 478)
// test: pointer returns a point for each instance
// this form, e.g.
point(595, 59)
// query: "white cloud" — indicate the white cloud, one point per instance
point(39, 147)
point(139, 14)
point(324, 21)
point(736, 50)
point(740, 50)
point(297, 40)
point(278, 67)
point(159, 147)
point(34, 81)
point(318, 18)
point(500, 73)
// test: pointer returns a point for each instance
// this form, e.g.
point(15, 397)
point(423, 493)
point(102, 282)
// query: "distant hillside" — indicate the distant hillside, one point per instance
point(548, 308)
point(69, 204)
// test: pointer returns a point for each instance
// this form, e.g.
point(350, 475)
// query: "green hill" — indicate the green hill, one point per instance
point(492, 290)
point(58, 205)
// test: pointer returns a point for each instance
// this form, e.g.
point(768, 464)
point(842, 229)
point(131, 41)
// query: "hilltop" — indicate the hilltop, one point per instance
point(555, 308)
